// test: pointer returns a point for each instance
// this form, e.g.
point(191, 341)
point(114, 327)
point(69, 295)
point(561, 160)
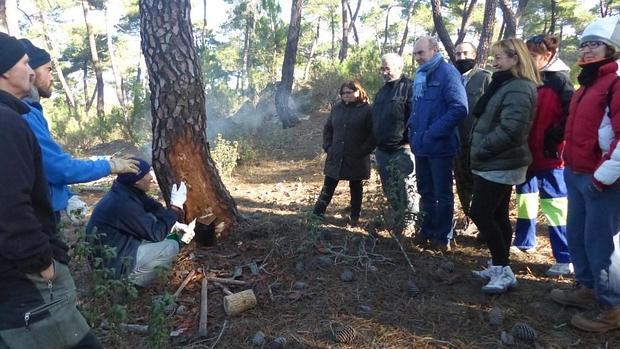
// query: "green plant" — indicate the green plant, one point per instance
point(159, 322)
point(225, 155)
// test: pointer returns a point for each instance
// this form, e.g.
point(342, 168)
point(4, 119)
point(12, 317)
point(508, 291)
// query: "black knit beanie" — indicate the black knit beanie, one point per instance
point(11, 51)
point(37, 56)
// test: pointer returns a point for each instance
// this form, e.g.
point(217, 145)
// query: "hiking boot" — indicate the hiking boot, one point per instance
point(578, 296)
point(560, 269)
point(354, 221)
point(484, 273)
point(502, 278)
point(605, 320)
point(520, 251)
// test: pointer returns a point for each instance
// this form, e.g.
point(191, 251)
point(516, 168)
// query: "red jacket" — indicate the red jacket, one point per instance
point(587, 109)
point(551, 112)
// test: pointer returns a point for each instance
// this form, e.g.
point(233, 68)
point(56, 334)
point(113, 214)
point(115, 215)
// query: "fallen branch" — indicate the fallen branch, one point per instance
point(402, 250)
point(220, 335)
point(134, 328)
point(227, 281)
point(184, 283)
point(204, 308)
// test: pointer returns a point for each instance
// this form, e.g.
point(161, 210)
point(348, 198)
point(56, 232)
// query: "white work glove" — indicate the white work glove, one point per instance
point(184, 231)
point(178, 195)
point(120, 165)
point(76, 209)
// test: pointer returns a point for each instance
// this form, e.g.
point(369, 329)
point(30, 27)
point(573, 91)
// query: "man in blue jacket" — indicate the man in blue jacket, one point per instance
point(60, 168)
point(137, 227)
point(439, 104)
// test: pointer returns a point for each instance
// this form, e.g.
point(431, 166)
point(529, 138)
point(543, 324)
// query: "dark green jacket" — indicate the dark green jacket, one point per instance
point(499, 138)
point(479, 80)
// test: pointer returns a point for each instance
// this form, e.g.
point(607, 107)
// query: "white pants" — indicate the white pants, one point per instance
point(150, 257)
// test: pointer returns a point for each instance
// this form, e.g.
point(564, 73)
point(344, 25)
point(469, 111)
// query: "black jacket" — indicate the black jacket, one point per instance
point(125, 217)
point(348, 141)
point(390, 112)
point(28, 236)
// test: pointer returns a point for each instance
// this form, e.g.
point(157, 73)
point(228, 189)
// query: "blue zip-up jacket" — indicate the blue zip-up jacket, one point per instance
point(434, 119)
point(123, 218)
point(59, 167)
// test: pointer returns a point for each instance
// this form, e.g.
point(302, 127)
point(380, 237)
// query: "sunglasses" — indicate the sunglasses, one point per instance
point(591, 44)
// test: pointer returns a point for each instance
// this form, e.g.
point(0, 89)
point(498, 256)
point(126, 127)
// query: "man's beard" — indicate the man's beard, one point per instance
point(464, 65)
point(45, 93)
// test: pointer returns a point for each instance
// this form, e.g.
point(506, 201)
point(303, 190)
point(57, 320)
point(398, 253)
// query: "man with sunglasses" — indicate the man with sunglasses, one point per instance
point(476, 81)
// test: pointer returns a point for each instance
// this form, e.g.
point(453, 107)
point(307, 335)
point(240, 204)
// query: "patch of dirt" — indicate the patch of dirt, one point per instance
point(300, 289)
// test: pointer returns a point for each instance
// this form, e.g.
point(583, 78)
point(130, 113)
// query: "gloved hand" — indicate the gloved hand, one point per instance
point(76, 209)
point(120, 165)
point(178, 195)
point(184, 231)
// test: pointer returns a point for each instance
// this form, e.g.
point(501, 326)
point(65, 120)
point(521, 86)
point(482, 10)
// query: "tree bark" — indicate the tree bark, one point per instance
point(288, 67)
point(94, 57)
point(442, 32)
point(315, 42)
point(180, 148)
point(344, 42)
point(466, 18)
point(403, 41)
point(8, 17)
point(511, 19)
point(354, 16)
point(333, 28)
point(247, 49)
point(486, 36)
point(554, 9)
point(52, 48)
point(118, 83)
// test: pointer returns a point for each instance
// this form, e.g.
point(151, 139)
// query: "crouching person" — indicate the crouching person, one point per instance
point(138, 228)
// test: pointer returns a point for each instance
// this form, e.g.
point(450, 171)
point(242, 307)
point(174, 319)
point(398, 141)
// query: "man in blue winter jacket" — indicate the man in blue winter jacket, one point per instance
point(60, 168)
point(439, 104)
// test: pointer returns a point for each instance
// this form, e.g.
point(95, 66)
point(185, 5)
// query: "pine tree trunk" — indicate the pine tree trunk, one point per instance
point(180, 148)
point(486, 36)
point(8, 17)
point(442, 32)
point(403, 41)
point(315, 42)
point(288, 67)
point(467, 11)
point(94, 57)
point(344, 43)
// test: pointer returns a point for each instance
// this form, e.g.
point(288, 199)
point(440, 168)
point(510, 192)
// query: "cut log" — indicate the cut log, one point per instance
point(204, 307)
point(239, 302)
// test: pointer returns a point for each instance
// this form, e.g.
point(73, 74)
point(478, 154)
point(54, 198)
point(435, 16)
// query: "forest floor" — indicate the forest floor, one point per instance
point(299, 285)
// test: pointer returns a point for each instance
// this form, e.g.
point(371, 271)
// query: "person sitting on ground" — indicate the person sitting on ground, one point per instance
point(592, 156)
point(61, 169)
point(348, 142)
point(137, 227)
point(544, 181)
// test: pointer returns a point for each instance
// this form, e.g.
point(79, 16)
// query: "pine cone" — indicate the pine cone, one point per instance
point(496, 317)
point(345, 334)
point(524, 332)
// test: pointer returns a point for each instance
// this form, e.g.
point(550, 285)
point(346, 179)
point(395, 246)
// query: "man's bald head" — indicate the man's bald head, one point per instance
point(424, 49)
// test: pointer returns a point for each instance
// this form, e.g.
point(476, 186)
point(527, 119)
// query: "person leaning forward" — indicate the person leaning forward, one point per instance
point(390, 111)
point(38, 295)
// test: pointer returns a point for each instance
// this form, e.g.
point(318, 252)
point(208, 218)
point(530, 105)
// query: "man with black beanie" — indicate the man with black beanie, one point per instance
point(38, 295)
point(61, 169)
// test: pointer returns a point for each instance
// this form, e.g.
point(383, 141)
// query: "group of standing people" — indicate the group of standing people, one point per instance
point(522, 126)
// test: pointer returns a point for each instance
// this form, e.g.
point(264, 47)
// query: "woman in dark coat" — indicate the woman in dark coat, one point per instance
point(348, 142)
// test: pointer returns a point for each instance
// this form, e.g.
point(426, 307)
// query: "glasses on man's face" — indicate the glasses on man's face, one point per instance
point(591, 44)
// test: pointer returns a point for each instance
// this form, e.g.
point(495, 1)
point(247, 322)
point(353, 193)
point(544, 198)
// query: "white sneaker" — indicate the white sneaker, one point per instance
point(502, 278)
point(484, 273)
point(559, 269)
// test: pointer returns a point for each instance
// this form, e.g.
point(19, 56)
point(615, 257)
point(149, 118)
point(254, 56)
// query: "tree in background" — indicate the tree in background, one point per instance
point(180, 148)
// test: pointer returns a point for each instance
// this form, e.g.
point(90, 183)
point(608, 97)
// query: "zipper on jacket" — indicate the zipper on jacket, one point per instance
point(39, 310)
point(50, 287)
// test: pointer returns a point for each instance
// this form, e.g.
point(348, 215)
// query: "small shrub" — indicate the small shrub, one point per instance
point(225, 155)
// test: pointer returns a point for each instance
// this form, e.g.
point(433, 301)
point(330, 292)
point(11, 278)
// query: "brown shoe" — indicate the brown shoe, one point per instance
point(604, 321)
point(578, 296)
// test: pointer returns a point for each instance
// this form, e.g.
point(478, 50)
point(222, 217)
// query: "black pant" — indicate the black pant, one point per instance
point(327, 192)
point(489, 211)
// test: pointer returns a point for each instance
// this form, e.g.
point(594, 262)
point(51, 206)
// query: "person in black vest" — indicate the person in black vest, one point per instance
point(348, 142)
point(38, 295)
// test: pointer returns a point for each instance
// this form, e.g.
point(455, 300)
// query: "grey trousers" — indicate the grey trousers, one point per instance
point(150, 257)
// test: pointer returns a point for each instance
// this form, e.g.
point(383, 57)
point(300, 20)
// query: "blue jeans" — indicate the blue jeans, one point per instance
point(397, 175)
point(434, 175)
point(593, 230)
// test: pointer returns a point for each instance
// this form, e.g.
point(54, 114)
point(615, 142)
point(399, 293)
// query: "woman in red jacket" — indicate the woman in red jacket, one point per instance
point(544, 182)
point(592, 156)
